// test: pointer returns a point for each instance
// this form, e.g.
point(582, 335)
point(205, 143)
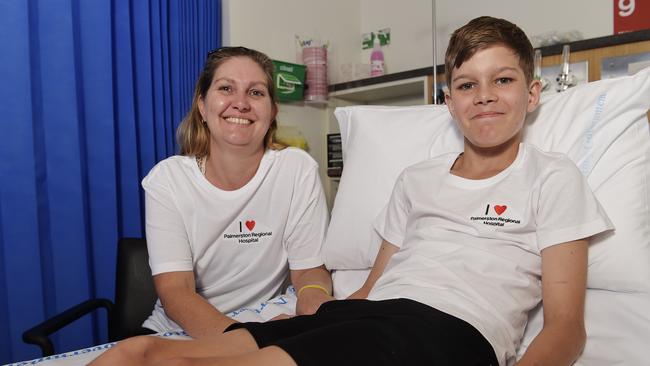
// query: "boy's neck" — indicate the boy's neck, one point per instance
point(481, 163)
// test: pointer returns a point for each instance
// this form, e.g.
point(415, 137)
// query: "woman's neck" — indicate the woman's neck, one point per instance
point(230, 170)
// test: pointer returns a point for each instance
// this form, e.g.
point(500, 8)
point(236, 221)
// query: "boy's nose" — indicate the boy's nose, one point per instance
point(484, 95)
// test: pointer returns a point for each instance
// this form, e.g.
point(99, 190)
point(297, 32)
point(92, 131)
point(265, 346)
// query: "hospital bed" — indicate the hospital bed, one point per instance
point(602, 126)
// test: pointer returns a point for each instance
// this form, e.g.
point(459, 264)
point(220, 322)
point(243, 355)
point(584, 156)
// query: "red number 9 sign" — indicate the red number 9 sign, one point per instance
point(631, 15)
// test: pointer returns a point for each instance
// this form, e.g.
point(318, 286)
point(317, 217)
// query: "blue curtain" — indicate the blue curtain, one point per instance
point(91, 92)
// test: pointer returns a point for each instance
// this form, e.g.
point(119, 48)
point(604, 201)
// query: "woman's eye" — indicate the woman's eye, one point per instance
point(225, 88)
point(257, 93)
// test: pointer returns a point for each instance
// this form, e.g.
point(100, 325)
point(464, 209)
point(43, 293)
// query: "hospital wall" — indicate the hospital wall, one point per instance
point(271, 26)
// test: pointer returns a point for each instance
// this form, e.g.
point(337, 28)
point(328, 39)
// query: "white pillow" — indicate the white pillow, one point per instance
point(378, 143)
point(585, 122)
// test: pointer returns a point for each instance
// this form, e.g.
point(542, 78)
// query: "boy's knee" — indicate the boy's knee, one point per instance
point(144, 347)
point(184, 361)
point(177, 362)
point(136, 348)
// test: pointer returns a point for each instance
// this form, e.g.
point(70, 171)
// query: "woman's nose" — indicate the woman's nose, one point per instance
point(241, 102)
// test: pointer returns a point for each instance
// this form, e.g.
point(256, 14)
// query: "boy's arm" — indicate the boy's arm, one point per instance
point(386, 251)
point(564, 281)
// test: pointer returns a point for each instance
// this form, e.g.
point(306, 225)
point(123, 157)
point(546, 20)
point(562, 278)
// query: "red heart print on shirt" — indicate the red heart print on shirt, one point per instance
point(497, 208)
point(250, 225)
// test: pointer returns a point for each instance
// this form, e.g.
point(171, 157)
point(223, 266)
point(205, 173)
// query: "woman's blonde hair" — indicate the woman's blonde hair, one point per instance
point(192, 134)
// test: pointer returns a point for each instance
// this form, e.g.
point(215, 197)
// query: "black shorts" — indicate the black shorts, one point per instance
point(364, 332)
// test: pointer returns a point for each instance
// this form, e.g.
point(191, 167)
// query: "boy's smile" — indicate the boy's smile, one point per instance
point(489, 98)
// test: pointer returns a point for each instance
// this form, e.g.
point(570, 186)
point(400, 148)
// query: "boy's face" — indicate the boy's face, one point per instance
point(489, 97)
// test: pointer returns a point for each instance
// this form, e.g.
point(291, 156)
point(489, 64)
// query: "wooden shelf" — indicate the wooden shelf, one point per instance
point(413, 87)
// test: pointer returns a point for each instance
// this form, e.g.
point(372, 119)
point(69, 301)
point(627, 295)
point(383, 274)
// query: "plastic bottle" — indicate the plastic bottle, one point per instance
point(376, 59)
point(315, 58)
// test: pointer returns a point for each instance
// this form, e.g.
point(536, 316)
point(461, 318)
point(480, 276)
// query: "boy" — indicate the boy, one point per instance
point(466, 240)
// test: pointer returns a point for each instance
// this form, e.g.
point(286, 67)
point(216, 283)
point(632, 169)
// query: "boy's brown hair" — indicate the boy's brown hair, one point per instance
point(483, 32)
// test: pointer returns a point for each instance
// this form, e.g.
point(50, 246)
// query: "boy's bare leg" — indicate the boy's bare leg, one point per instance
point(145, 350)
point(266, 356)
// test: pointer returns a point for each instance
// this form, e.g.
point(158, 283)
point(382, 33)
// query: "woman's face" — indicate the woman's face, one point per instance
point(237, 107)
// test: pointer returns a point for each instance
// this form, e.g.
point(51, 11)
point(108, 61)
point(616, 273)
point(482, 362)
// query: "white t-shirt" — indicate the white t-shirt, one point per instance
point(472, 248)
point(240, 244)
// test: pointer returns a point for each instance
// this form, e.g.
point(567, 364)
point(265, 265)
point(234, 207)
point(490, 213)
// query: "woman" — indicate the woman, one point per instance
point(236, 212)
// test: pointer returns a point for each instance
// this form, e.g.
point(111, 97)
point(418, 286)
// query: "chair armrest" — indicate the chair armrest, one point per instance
point(39, 335)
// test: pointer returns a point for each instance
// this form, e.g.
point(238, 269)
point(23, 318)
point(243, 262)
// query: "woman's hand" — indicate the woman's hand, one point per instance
point(188, 309)
point(310, 299)
point(314, 286)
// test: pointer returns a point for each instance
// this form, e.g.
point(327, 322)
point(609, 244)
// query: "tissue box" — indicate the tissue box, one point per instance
point(289, 81)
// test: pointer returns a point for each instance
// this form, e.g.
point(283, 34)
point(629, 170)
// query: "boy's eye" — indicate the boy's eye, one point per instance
point(465, 86)
point(504, 80)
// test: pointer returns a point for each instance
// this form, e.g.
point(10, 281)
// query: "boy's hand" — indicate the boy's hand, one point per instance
point(564, 282)
point(386, 251)
point(360, 294)
point(282, 316)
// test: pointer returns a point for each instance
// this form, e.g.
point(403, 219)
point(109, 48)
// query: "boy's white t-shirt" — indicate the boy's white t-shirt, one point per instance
point(239, 244)
point(472, 248)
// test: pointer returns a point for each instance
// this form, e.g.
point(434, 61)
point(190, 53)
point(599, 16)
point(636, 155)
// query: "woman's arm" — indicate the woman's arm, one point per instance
point(314, 286)
point(564, 281)
point(188, 309)
point(384, 255)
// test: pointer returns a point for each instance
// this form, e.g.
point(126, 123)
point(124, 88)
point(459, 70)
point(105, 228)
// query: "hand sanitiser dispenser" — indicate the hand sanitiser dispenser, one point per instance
point(376, 59)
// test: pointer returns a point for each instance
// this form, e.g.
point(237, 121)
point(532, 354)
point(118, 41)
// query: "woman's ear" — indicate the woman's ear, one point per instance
point(201, 104)
point(275, 111)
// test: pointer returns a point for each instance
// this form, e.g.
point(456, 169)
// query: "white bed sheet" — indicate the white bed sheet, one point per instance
point(618, 325)
point(85, 355)
point(285, 303)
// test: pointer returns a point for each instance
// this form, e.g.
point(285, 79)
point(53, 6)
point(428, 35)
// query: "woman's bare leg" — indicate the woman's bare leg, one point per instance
point(266, 356)
point(146, 350)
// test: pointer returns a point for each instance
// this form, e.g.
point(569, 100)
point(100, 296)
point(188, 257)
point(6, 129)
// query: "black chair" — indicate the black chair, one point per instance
point(135, 297)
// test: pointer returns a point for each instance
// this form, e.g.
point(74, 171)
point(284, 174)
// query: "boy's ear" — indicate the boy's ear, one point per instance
point(450, 104)
point(534, 95)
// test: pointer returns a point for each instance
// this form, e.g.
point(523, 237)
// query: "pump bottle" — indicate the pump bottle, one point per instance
point(376, 59)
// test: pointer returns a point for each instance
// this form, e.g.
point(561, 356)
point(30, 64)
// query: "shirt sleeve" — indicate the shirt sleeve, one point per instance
point(567, 208)
point(390, 224)
point(167, 241)
point(307, 222)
